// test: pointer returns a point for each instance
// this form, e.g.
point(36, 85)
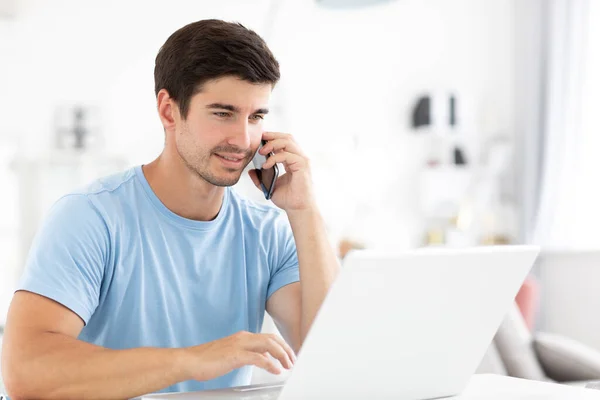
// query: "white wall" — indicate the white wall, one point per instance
point(346, 75)
point(349, 83)
point(570, 299)
point(355, 75)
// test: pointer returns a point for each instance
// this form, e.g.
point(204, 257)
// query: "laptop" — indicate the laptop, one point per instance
point(412, 325)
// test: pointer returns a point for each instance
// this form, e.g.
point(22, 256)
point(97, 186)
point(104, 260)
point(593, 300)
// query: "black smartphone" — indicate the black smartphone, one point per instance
point(267, 177)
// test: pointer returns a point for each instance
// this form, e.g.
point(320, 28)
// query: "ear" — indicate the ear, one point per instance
point(167, 110)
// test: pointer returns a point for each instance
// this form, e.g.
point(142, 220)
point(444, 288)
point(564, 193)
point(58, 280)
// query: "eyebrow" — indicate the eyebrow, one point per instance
point(235, 109)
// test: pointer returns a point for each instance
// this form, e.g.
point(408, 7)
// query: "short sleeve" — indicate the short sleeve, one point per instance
point(285, 269)
point(67, 257)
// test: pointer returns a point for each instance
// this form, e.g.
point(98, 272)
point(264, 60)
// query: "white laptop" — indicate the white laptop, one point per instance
point(411, 325)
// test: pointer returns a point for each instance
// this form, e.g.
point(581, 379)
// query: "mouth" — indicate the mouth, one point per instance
point(231, 160)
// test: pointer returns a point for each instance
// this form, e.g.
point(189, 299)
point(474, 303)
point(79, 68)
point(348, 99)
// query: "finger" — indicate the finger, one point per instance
point(276, 135)
point(278, 352)
point(285, 346)
point(261, 361)
point(277, 145)
point(293, 162)
point(254, 177)
point(261, 343)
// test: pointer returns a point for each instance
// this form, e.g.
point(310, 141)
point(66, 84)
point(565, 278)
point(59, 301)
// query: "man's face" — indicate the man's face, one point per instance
point(223, 129)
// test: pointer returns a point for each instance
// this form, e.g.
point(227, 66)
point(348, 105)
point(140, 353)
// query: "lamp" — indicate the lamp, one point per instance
point(349, 4)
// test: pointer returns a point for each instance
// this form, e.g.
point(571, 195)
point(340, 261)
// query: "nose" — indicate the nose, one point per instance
point(240, 136)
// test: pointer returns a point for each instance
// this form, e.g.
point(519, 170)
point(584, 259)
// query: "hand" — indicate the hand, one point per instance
point(217, 358)
point(293, 191)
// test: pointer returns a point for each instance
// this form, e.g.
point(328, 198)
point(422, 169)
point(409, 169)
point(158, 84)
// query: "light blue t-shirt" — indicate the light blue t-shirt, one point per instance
point(140, 275)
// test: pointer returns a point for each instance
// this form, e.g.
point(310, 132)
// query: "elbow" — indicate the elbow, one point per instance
point(23, 386)
point(18, 385)
point(16, 388)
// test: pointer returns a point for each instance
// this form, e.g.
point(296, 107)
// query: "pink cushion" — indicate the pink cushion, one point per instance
point(527, 299)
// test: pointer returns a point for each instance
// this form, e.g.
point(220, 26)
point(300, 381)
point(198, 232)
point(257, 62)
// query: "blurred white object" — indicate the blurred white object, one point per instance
point(8, 226)
point(499, 156)
point(443, 188)
point(8, 8)
point(43, 179)
point(347, 4)
point(496, 211)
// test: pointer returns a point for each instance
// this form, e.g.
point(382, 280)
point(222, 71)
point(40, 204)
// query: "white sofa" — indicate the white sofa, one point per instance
point(565, 346)
point(517, 352)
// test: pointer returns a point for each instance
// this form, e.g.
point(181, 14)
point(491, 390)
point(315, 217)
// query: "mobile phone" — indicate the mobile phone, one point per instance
point(267, 177)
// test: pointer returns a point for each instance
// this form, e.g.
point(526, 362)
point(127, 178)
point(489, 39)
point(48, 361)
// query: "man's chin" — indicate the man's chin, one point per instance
point(225, 183)
point(224, 180)
point(220, 175)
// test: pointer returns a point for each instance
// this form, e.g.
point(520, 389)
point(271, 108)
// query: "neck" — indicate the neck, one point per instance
point(182, 191)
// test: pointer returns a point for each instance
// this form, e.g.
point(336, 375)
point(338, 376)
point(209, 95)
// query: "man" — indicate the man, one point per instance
point(157, 279)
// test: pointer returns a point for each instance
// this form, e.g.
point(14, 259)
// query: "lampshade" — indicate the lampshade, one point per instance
point(348, 4)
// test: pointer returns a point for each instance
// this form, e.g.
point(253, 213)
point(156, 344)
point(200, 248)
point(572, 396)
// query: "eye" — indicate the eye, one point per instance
point(222, 114)
point(257, 117)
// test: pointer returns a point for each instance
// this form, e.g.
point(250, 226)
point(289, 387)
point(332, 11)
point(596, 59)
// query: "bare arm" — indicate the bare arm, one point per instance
point(285, 307)
point(294, 307)
point(318, 263)
point(43, 359)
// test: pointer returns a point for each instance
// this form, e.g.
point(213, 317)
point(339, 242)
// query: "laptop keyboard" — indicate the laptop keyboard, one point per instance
point(259, 393)
point(260, 396)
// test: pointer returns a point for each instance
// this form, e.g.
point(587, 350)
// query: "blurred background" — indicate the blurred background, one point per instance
point(428, 122)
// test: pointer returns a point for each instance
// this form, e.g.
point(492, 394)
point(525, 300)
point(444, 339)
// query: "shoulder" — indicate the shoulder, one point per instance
point(90, 205)
point(110, 186)
point(255, 214)
point(109, 194)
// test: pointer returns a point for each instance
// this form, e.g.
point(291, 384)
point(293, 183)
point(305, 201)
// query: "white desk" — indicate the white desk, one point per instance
point(495, 387)
point(481, 387)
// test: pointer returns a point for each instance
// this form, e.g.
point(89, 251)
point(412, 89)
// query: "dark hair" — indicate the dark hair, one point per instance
point(210, 49)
